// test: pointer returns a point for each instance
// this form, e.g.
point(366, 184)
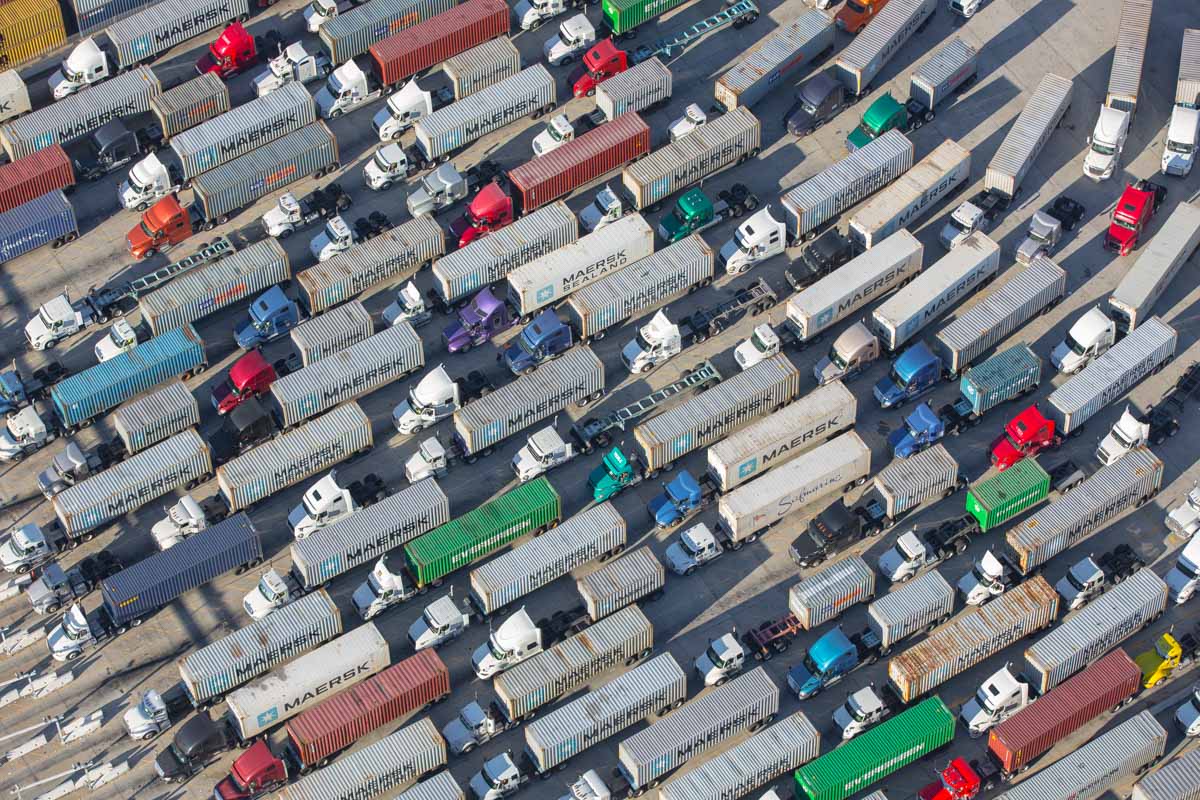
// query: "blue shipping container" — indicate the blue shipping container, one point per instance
point(93, 14)
point(97, 389)
point(140, 590)
point(50, 219)
point(1001, 378)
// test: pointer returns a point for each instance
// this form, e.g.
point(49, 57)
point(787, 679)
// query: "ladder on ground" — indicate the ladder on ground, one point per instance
point(670, 46)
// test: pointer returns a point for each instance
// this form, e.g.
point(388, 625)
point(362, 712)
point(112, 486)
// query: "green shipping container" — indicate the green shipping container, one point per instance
point(1001, 497)
point(872, 756)
point(482, 531)
point(623, 16)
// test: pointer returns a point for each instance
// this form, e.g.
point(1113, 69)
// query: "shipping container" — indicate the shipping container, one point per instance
point(222, 192)
point(365, 535)
point(643, 87)
point(1097, 628)
point(156, 416)
point(914, 194)
point(432, 41)
point(861, 61)
point(1187, 85)
point(298, 454)
point(1019, 740)
point(1126, 75)
point(332, 332)
point(35, 175)
point(615, 641)
point(552, 277)
point(1121, 753)
point(972, 637)
point(90, 393)
point(834, 467)
point(1115, 372)
point(1009, 374)
point(1028, 135)
point(577, 163)
point(93, 14)
point(745, 703)
point(575, 377)
point(822, 414)
point(1156, 266)
point(531, 507)
point(970, 265)
point(14, 96)
point(943, 73)
point(760, 759)
point(138, 591)
point(997, 499)
point(530, 91)
point(828, 592)
point(190, 103)
point(595, 533)
point(1113, 489)
point(201, 292)
point(213, 670)
point(49, 219)
point(333, 667)
point(705, 418)
point(335, 723)
point(872, 756)
point(352, 32)
point(441, 786)
point(388, 356)
point(1178, 780)
point(142, 37)
point(893, 262)
point(924, 603)
point(906, 483)
point(622, 16)
point(626, 294)
point(776, 60)
point(488, 260)
point(481, 66)
point(1029, 292)
point(390, 763)
point(393, 255)
point(729, 139)
point(639, 693)
point(80, 114)
point(622, 582)
point(28, 29)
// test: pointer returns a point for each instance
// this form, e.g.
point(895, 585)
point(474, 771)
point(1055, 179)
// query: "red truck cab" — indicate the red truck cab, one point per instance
point(254, 773)
point(250, 376)
point(1026, 434)
point(164, 225)
point(489, 211)
point(1132, 214)
point(958, 781)
point(233, 51)
point(600, 62)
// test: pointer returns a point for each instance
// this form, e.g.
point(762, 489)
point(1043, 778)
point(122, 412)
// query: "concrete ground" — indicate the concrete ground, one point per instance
point(1019, 41)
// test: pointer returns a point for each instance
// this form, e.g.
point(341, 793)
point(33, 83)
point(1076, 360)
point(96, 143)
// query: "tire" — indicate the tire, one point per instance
point(148, 254)
point(689, 571)
point(74, 654)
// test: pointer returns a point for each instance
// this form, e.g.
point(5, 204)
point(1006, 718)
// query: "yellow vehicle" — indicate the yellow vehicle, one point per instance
point(1168, 653)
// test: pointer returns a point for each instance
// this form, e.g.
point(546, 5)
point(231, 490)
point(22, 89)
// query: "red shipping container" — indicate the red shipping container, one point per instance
point(335, 724)
point(34, 175)
point(439, 38)
point(1033, 730)
point(580, 161)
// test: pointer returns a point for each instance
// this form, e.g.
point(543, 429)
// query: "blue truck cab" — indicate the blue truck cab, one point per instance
point(544, 338)
point(679, 499)
point(272, 315)
point(922, 428)
point(831, 658)
point(12, 392)
point(914, 373)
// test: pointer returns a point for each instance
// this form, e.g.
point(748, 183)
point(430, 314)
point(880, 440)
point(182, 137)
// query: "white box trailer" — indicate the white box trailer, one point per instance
point(1155, 268)
point(550, 278)
point(1178, 780)
point(776, 60)
point(636, 89)
point(926, 602)
point(828, 592)
point(822, 414)
point(859, 64)
point(332, 332)
point(945, 72)
point(1187, 85)
point(1028, 135)
point(624, 581)
point(1126, 76)
point(749, 510)
point(914, 194)
point(953, 277)
point(481, 66)
point(893, 262)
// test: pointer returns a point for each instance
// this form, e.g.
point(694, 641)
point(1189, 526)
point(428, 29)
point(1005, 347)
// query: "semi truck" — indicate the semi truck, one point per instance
point(1157, 265)
point(236, 50)
point(861, 61)
point(57, 587)
point(350, 34)
point(1116, 115)
point(801, 42)
point(436, 397)
point(1046, 228)
point(1179, 149)
point(1094, 575)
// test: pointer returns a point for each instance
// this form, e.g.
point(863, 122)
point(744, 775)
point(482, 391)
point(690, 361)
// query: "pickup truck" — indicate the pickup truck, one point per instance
point(830, 659)
point(57, 587)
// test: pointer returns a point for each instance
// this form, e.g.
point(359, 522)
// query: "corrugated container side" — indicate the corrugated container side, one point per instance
point(191, 103)
point(93, 14)
point(329, 333)
point(636, 89)
point(441, 786)
point(1126, 75)
point(1187, 86)
point(34, 175)
point(481, 66)
point(997, 499)
point(1002, 377)
point(927, 600)
point(866, 55)
point(620, 583)
point(28, 28)
point(248, 652)
point(828, 592)
point(1028, 135)
point(580, 161)
point(1020, 739)
point(775, 60)
point(1156, 266)
point(367, 534)
point(156, 416)
point(1001, 312)
point(625, 15)
point(432, 41)
point(945, 71)
point(971, 637)
point(1178, 780)
point(906, 483)
point(49, 219)
point(352, 32)
point(140, 37)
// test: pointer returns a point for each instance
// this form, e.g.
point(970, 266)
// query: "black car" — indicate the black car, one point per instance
point(819, 100)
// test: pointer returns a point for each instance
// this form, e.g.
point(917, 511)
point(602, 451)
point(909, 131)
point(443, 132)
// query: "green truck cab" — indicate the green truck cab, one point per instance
point(885, 114)
point(695, 211)
point(614, 474)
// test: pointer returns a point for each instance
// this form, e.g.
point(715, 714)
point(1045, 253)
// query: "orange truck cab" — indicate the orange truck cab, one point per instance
point(1132, 214)
point(234, 50)
point(855, 15)
point(164, 225)
point(490, 210)
point(250, 376)
point(1027, 434)
point(600, 62)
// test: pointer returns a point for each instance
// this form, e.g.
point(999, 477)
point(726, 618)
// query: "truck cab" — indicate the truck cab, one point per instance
point(56, 587)
point(405, 106)
point(532, 13)
point(692, 212)
point(600, 62)
point(999, 697)
point(862, 709)
point(1187, 716)
point(922, 429)
point(1106, 143)
point(1132, 214)
point(763, 343)
point(1184, 518)
point(855, 15)
point(194, 745)
point(474, 725)
point(25, 432)
point(885, 114)
point(273, 591)
point(917, 371)
point(250, 376)
point(1027, 434)
point(73, 634)
point(430, 461)
point(1158, 663)
point(295, 63)
point(253, 774)
point(558, 131)
point(989, 577)
point(721, 660)
point(318, 12)
point(233, 51)
point(498, 778)
point(757, 239)
point(695, 548)
point(323, 503)
point(72, 465)
point(544, 451)
point(272, 315)
point(605, 209)
point(517, 639)
point(693, 118)
point(1088, 338)
point(545, 338)
point(1093, 576)
point(819, 99)
point(574, 36)
point(851, 353)
point(588, 786)
point(184, 518)
point(1184, 576)
point(614, 474)
point(105, 149)
point(290, 214)
point(1046, 228)
point(977, 214)
point(830, 659)
point(478, 321)
point(679, 499)
point(1179, 149)
point(435, 397)
point(336, 237)
point(489, 211)
point(438, 190)
point(85, 65)
point(656, 342)
point(121, 338)
point(1133, 430)
point(907, 557)
point(959, 781)
point(56, 320)
point(24, 548)
point(440, 622)
point(164, 225)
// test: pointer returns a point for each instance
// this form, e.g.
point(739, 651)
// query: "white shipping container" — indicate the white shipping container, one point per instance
point(441, 786)
point(926, 602)
point(1028, 135)
point(1126, 75)
point(141, 37)
point(463, 121)
point(482, 66)
point(943, 73)
point(1156, 266)
point(329, 333)
point(828, 592)
point(775, 60)
point(636, 89)
point(14, 96)
point(1178, 780)
point(622, 582)
point(1187, 86)
point(906, 483)
point(860, 62)
point(156, 416)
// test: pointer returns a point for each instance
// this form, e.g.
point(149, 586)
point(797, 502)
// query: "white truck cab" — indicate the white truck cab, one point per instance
point(1090, 336)
point(404, 107)
point(148, 718)
point(721, 660)
point(433, 398)
point(1127, 433)
point(575, 35)
point(1081, 583)
point(498, 778)
point(605, 209)
point(282, 218)
point(1184, 577)
point(409, 306)
point(23, 433)
point(1184, 518)
point(148, 181)
point(996, 699)
point(656, 342)
point(336, 237)
point(861, 710)
point(346, 88)
point(68, 639)
point(183, 519)
point(56, 320)
point(516, 640)
point(905, 558)
point(1179, 150)
point(272, 592)
point(1106, 143)
point(763, 343)
point(588, 786)
point(440, 622)
point(121, 338)
point(532, 13)
point(318, 12)
point(24, 548)
point(757, 239)
point(693, 117)
point(558, 131)
point(963, 221)
point(543, 451)
point(984, 581)
point(430, 461)
point(85, 65)
point(323, 503)
point(696, 546)
point(295, 63)
point(473, 726)
point(1187, 716)
point(388, 165)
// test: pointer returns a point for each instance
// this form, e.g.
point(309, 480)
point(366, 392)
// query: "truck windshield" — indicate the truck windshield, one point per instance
point(492, 780)
point(715, 659)
point(896, 379)
point(145, 229)
point(1103, 148)
point(427, 452)
point(45, 317)
point(382, 162)
point(854, 711)
point(526, 343)
point(268, 592)
point(811, 665)
point(759, 344)
point(322, 8)
point(643, 342)
point(1180, 147)
point(499, 653)
point(836, 359)
point(1187, 568)
point(982, 577)
point(1122, 439)
point(1076, 346)
point(1123, 222)
point(857, 8)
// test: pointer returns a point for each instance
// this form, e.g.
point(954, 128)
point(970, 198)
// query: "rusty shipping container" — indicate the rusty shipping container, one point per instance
point(29, 28)
point(36, 174)
point(438, 38)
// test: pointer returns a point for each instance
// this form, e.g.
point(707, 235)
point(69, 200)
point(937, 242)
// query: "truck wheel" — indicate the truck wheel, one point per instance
point(148, 254)
point(686, 572)
point(647, 367)
point(74, 654)
point(285, 233)
point(960, 546)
